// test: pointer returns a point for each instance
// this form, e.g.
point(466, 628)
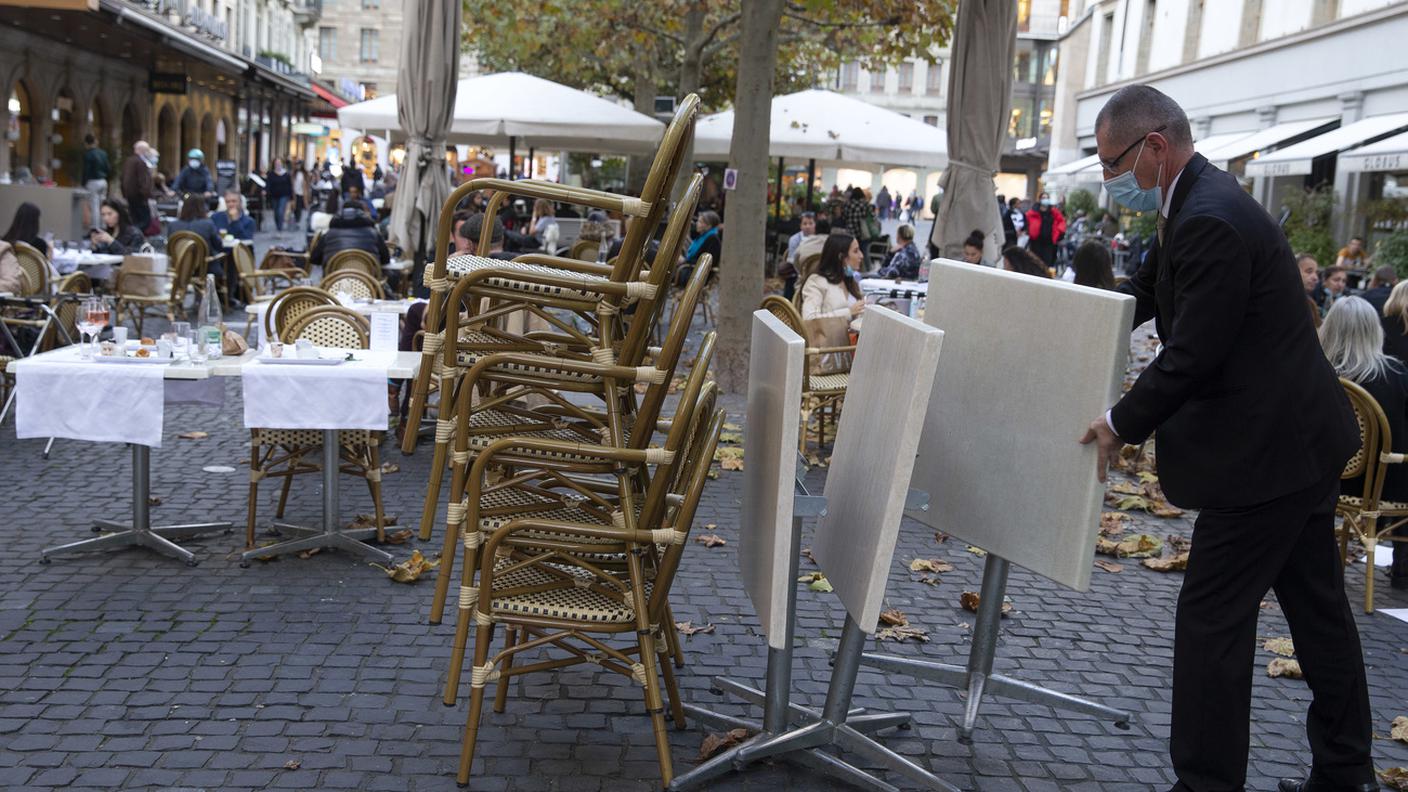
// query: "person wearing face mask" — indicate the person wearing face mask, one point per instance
point(1254, 440)
point(194, 179)
point(137, 183)
point(831, 298)
point(1045, 227)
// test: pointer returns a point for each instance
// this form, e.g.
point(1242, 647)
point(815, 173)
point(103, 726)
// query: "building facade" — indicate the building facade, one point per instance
point(1256, 77)
point(359, 43)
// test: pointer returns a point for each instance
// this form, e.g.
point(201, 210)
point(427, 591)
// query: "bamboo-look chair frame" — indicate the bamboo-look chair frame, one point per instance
point(291, 303)
point(821, 393)
point(582, 426)
point(585, 249)
point(355, 259)
point(280, 453)
point(176, 245)
point(1368, 518)
point(257, 285)
point(359, 284)
point(562, 568)
point(34, 269)
point(181, 262)
point(648, 208)
point(574, 344)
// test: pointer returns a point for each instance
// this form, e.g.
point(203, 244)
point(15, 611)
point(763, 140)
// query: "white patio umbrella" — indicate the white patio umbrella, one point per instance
point(826, 126)
point(517, 109)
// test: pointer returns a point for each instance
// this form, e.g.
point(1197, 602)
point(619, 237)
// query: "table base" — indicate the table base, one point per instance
point(139, 532)
point(328, 536)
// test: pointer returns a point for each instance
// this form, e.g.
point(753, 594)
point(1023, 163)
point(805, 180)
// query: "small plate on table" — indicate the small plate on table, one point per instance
point(150, 360)
point(330, 360)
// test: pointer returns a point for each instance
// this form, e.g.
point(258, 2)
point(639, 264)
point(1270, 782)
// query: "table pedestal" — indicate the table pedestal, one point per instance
point(328, 535)
point(140, 530)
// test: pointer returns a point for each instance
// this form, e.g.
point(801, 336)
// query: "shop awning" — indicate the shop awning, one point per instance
point(1077, 165)
point(1297, 160)
point(1389, 154)
point(1266, 138)
point(331, 98)
point(1215, 142)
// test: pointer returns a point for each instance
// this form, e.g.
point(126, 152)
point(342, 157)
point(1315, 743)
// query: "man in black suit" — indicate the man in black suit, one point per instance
point(1253, 430)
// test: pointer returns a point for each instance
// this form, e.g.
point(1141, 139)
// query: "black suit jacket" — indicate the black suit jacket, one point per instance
point(1246, 406)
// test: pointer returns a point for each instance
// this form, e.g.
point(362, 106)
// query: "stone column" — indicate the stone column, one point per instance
point(1347, 185)
point(1261, 190)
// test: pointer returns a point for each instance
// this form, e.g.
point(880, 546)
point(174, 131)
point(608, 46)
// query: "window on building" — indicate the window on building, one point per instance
point(1102, 58)
point(1022, 68)
point(368, 52)
point(877, 82)
point(933, 79)
point(850, 76)
point(1048, 78)
point(371, 5)
point(931, 120)
point(1024, 16)
point(327, 42)
point(1016, 125)
point(906, 77)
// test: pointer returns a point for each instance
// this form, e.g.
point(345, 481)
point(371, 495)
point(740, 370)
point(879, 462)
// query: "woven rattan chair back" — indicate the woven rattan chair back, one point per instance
point(66, 310)
point(1374, 437)
point(585, 249)
point(290, 304)
point(34, 267)
point(784, 310)
point(354, 283)
point(187, 252)
point(254, 287)
point(330, 326)
point(355, 260)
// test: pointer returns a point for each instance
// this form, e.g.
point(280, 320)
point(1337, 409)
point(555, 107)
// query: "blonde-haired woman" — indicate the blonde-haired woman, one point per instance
point(1395, 322)
point(1353, 340)
point(543, 225)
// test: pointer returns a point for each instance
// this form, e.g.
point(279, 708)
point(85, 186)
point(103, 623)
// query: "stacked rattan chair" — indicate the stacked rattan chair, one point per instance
point(289, 305)
point(1367, 517)
point(279, 453)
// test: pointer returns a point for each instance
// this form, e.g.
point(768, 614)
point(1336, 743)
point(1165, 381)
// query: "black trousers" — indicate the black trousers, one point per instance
point(1238, 554)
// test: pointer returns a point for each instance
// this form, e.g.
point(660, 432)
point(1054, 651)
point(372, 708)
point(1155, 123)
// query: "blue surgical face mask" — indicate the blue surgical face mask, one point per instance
point(1126, 191)
point(850, 273)
point(194, 163)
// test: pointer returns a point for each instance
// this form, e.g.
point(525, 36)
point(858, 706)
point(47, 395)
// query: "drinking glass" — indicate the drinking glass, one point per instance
point(181, 335)
point(100, 315)
point(196, 347)
point(87, 314)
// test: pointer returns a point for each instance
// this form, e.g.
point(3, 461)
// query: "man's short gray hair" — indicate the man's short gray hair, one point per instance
point(1139, 110)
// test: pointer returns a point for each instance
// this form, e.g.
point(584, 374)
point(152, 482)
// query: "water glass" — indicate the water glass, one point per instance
point(196, 345)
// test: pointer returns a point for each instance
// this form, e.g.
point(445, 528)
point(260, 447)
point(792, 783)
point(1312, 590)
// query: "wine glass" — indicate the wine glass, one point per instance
point(98, 316)
point(86, 315)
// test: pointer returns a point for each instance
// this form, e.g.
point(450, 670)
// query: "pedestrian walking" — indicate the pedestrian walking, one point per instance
point(97, 170)
point(1255, 441)
point(280, 190)
point(1045, 227)
point(882, 203)
point(137, 184)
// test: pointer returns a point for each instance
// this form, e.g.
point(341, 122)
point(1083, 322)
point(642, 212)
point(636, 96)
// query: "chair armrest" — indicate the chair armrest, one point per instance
point(1390, 458)
point(562, 193)
point(564, 263)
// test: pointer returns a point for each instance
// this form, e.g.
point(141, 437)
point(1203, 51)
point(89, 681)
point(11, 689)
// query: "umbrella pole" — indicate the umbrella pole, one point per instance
point(512, 142)
point(777, 199)
point(530, 162)
point(811, 178)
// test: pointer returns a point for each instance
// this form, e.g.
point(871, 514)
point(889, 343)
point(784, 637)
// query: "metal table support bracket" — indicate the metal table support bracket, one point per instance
point(977, 677)
point(140, 530)
point(329, 535)
point(797, 733)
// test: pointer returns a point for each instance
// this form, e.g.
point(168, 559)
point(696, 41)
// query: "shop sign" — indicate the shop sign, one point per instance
point(166, 82)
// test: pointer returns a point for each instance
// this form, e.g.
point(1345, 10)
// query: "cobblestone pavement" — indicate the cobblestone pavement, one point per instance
point(130, 670)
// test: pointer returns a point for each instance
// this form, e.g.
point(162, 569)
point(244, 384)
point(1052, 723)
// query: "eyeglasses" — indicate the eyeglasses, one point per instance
point(1112, 165)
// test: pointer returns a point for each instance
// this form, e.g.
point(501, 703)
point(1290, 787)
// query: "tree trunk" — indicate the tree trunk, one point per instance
point(691, 75)
point(745, 228)
point(643, 89)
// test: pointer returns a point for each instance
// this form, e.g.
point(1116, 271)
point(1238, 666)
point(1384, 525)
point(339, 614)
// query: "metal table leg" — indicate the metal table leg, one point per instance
point(140, 530)
point(329, 536)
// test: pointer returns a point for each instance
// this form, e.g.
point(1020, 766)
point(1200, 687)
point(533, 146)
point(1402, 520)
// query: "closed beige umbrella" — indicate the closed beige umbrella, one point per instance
point(430, 64)
point(979, 102)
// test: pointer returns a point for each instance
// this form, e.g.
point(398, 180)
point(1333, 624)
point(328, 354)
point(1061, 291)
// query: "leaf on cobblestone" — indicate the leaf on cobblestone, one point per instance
point(898, 634)
point(1280, 646)
point(1147, 477)
point(1399, 731)
point(1395, 778)
point(1125, 488)
point(893, 617)
point(732, 427)
point(193, 435)
point(292, 764)
point(970, 601)
point(714, 742)
point(410, 570)
point(1128, 502)
point(816, 582)
point(689, 628)
point(369, 521)
point(940, 537)
point(1173, 563)
point(711, 540)
point(807, 554)
point(929, 580)
point(713, 473)
point(399, 537)
point(1133, 459)
point(675, 385)
point(309, 553)
point(977, 551)
point(1284, 667)
point(1131, 546)
point(729, 457)
point(730, 437)
point(1267, 604)
point(1109, 566)
point(390, 467)
point(1178, 543)
point(930, 565)
point(1112, 523)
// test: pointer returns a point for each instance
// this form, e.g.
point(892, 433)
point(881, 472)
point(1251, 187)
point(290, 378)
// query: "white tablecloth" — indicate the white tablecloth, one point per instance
point(350, 395)
point(81, 400)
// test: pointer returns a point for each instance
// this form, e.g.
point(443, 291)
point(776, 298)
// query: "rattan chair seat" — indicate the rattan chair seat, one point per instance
point(459, 266)
point(468, 357)
point(484, 423)
point(309, 437)
point(829, 382)
point(1384, 506)
point(568, 600)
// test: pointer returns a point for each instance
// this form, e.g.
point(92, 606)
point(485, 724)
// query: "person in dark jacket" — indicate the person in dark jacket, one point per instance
point(137, 183)
point(25, 228)
point(234, 220)
point(708, 228)
point(1045, 227)
point(1380, 286)
point(351, 177)
point(1394, 318)
point(279, 190)
point(1009, 229)
point(1255, 440)
point(1353, 342)
point(97, 170)
point(195, 218)
point(118, 237)
point(194, 179)
point(352, 229)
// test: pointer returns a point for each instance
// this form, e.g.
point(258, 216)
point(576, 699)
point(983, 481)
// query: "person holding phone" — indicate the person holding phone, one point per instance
point(117, 236)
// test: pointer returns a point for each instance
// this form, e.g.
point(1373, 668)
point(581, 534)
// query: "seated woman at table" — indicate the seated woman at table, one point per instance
point(906, 259)
point(831, 298)
point(25, 228)
point(117, 237)
point(11, 277)
point(708, 229)
point(1015, 259)
point(234, 220)
point(1353, 340)
point(352, 229)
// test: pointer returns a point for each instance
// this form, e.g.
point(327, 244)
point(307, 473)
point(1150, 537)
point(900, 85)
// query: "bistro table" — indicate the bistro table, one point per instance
point(399, 365)
point(138, 531)
point(256, 311)
point(97, 265)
